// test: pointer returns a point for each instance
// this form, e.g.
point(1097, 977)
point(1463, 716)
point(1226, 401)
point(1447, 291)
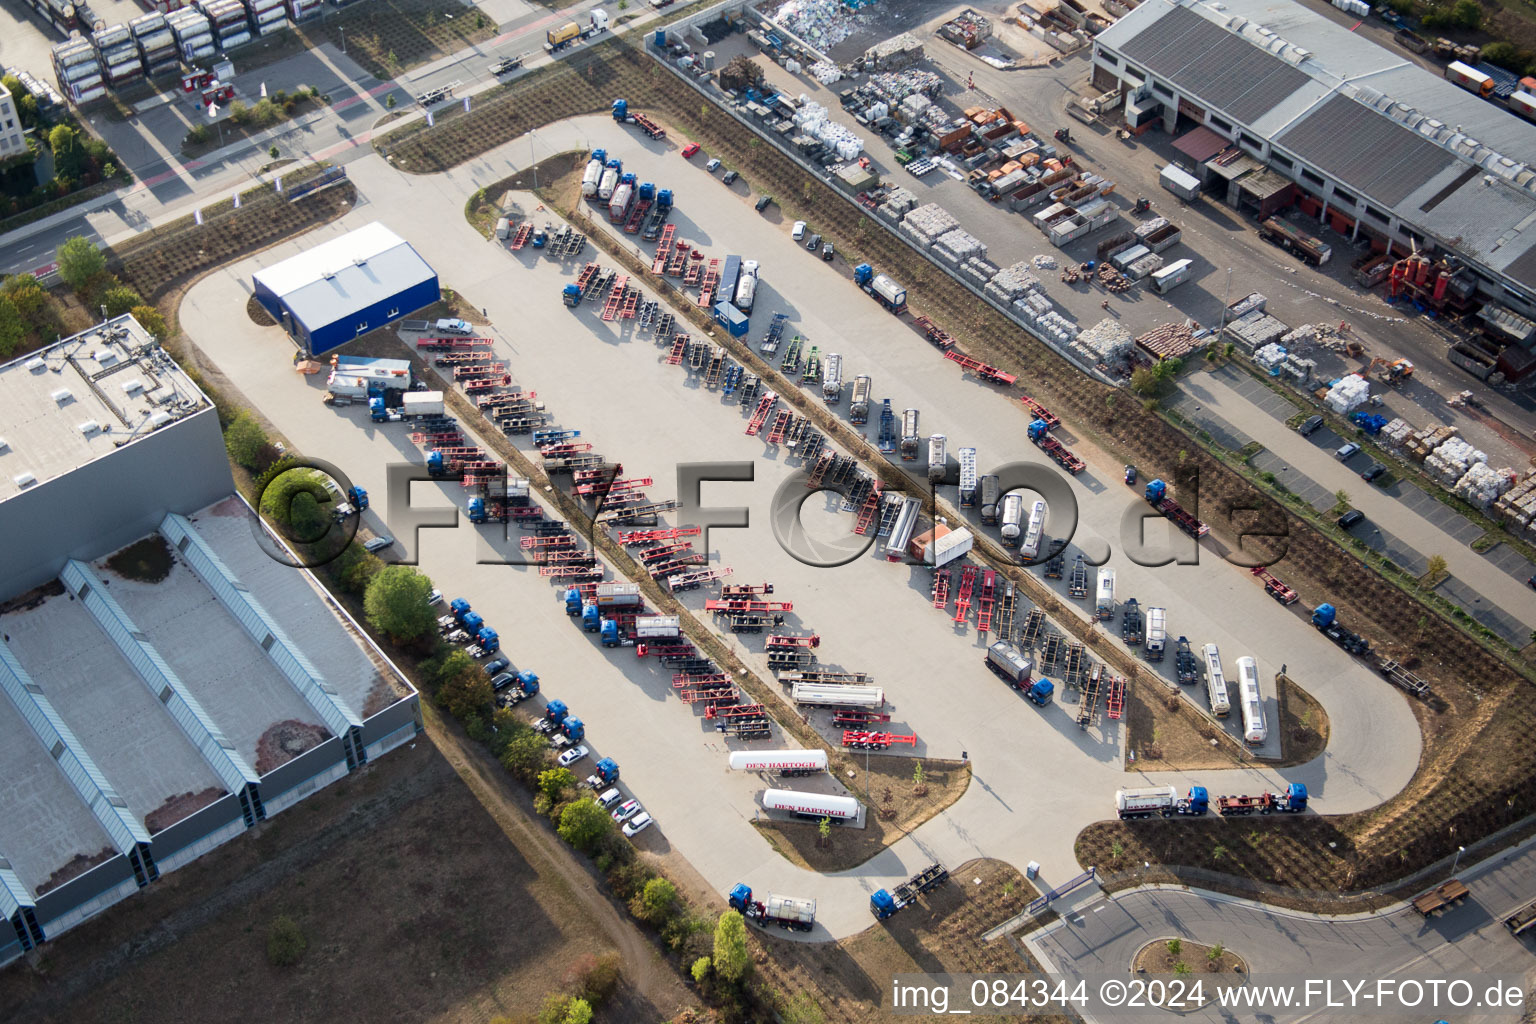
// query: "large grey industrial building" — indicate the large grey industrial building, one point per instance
point(159, 703)
point(1377, 146)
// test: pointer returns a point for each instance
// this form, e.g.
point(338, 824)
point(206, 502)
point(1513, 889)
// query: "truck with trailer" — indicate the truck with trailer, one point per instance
point(610, 179)
point(623, 115)
point(1157, 633)
point(1215, 682)
point(1040, 433)
point(813, 806)
point(780, 762)
point(746, 286)
point(1469, 78)
point(1009, 665)
point(884, 904)
point(1278, 231)
point(1186, 667)
point(1326, 618)
point(1034, 533)
point(1158, 497)
point(604, 774)
point(939, 546)
point(496, 504)
point(832, 379)
point(988, 487)
point(1251, 702)
point(1292, 801)
point(968, 490)
point(909, 435)
point(1132, 623)
point(623, 196)
point(1163, 801)
point(593, 173)
point(1012, 518)
point(512, 689)
point(787, 912)
point(355, 501)
point(837, 695)
point(881, 288)
point(858, 404)
point(938, 456)
point(1104, 595)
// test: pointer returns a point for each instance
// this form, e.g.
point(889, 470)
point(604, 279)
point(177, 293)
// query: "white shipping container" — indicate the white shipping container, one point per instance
point(1150, 798)
point(833, 695)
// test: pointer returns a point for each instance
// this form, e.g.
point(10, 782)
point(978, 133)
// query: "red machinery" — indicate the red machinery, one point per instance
point(450, 344)
point(1041, 412)
point(941, 588)
point(988, 600)
point(791, 642)
point(860, 740)
point(760, 414)
point(710, 282)
point(963, 595)
point(646, 536)
point(1115, 698)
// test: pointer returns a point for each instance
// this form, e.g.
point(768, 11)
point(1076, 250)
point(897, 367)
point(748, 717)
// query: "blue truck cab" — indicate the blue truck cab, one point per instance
point(573, 605)
point(1041, 692)
point(882, 904)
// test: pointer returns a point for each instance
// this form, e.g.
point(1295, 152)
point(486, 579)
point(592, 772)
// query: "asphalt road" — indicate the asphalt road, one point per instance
point(1038, 778)
point(1102, 935)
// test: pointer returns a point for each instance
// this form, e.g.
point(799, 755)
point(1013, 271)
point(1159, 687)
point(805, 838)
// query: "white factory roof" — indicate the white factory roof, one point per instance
point(1404, 138)
point(80, 398)
point(346, 274)
point(121, 733)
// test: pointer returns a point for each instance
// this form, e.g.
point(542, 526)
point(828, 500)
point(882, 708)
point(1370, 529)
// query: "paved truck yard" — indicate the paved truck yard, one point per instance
point(864, 620)
point(589, 373)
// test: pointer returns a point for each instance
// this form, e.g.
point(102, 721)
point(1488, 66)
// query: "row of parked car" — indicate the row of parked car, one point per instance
point(1352, 517)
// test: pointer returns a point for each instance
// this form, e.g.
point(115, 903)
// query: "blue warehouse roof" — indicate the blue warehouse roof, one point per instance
point(336, 279)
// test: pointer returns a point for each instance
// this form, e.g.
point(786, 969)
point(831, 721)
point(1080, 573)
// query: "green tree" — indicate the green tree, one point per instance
point(584, 824)
point(439, 672)
point(656, 903)
point(1181, 968)
point(917, 773)
point(1165, 370)
point(824, 831)
point(266, 112)
point(553, 782)
point(700, 970)
point(1215, 952)
point(120, 299)
point(1435, 568)
point(354, 567)
point(578, 1011)
point(525, 755)
point(245, 439)
point(273, 152)
point(466, 694)
point(68, 153)
point(150, 319)
point(285, 941)
point(295, 502)
point(26, 295)
point(13, 329)
point(1341, 498)
point(1467, 15)
point(732, 960)
point(397, 606)
point(239, 113)
point(1144, 381)
point(79, 261)
point(1175, 946)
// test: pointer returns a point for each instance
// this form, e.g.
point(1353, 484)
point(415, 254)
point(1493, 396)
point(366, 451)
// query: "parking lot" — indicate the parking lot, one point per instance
point(1045, 776)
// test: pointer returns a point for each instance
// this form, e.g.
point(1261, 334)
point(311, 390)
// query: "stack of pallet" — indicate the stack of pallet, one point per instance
point(1483, 486)
point(1255, 329)
point(1517, 506)
point(1168, 341)
point(1396, 433)
point(958, 245)
point(1422, 442)
point(1037, 311)
point(1106, 341)
point(897, 204)
point(927, 224)
point(1451, 461)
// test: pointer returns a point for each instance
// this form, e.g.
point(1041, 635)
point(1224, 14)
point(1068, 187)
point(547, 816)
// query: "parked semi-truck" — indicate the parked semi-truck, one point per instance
point(990, 486)
point(593, 175)
point(746, 287)
point(909, 435)
point(789, 912)
point(1158, 497)
point(783, 762)
point(885, 903)
point(1292, 801)
point(858, 405)
point(938, 454)
point(1441, 898)
point(1215, 682)
point(1012, 518)
point(1157, 633)
point(1034, 532)
point(1326, 618)
point(1522, 920)
point(1185, 665)
point(881, 288)
point(832, 379)
point(610, 179)
point(939, 546)
point(1104, 600)
point(1469, 78)
point(1163, 801)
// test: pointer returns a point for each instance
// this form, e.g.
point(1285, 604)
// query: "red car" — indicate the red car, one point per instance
point(689, 150)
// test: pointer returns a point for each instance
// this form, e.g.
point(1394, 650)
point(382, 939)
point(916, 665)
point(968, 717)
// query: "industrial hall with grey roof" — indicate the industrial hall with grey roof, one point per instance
point(1390, 150)
point(165, 683)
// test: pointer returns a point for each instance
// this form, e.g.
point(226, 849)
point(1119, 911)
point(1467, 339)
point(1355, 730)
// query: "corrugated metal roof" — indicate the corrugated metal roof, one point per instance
point(1355, 144)
point(1214, 64)
point(346, 274)
point(1200, 144)
point(1523, 267)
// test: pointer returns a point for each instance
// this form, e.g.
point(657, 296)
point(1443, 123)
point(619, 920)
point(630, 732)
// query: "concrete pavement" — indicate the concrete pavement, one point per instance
point(1101, 935)
point(1038, 779)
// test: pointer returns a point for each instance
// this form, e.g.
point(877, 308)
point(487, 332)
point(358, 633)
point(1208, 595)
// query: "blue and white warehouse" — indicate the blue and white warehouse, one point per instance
point(346, 287)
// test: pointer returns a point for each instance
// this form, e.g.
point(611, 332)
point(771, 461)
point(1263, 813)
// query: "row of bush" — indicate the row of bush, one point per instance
point(264, 113)
point(30, 316)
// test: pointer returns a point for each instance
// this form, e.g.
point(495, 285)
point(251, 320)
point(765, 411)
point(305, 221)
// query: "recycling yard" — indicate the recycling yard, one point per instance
point(614, 381)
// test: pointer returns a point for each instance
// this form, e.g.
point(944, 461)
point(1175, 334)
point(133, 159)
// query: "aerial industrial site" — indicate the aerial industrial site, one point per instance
point(802, 511)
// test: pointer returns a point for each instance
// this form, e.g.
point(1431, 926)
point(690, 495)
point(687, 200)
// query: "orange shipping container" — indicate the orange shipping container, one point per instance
point(1054, 164)
point(1029, 159)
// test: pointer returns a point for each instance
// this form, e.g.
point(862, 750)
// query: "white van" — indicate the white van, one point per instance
point(378, 544)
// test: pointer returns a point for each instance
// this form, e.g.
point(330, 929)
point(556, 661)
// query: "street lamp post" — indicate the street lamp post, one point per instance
point(533, 161)
point(1221, 317)
point(1459, 851)
point(343, 30)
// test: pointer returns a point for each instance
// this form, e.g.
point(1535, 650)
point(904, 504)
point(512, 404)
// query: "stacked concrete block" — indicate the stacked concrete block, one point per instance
point(1306, 334)
point(1422, 442)
point(1253, 330)
point(1106, 341)
point(1270, 357)
point(1036, 311)
point(960, 244)
point(1348, 394)
point(1396, 433)
point(1253, 302)
point(1013, 283)
point(1297, 369)
point(895, 54)
point(1483, 486)
point(1451, 461)
point(979, 269)
point(927, 224)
